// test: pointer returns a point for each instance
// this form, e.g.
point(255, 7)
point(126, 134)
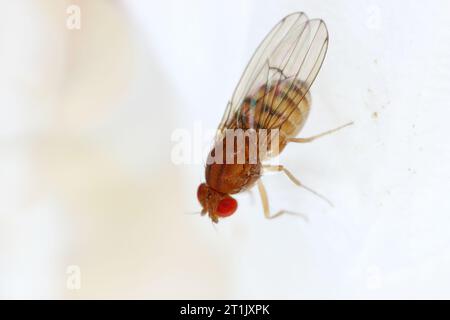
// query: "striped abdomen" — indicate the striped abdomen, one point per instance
point(283, 105)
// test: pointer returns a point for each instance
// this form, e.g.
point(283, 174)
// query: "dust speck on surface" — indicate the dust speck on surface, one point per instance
point(375, 115)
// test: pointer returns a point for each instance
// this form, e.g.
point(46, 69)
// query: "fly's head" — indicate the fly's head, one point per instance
point(215, 204)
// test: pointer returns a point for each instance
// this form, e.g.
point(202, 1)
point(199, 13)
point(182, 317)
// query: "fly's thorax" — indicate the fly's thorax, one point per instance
point(243, 146)
point(232, 178)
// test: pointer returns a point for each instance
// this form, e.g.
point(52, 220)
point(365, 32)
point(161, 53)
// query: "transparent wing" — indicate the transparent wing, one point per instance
point(295, 62)
point(254, 73)
point(294, 49)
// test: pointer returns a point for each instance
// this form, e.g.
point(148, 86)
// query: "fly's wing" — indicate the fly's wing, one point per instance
point(257, 72)
point(292, 53)
point(292, 67)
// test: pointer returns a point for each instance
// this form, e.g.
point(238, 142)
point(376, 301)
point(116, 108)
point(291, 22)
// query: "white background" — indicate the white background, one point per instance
point(86, 118)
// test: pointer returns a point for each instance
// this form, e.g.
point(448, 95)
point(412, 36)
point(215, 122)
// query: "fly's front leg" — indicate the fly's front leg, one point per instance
point(312, 138)
point(265, 204)
point(281, 168)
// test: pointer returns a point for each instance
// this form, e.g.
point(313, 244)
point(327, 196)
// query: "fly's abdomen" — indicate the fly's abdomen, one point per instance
point(283, 106)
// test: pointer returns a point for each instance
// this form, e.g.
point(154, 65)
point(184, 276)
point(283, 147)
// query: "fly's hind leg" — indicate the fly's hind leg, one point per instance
point(281, 168)
point(265, 204)
point(312, 138)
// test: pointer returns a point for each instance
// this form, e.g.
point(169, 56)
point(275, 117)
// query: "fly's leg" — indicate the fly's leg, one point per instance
point(312, 138)
point(281, 168)
point(265, 204)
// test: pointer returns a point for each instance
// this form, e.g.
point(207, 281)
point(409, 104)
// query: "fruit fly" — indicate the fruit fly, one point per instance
point(272, 102)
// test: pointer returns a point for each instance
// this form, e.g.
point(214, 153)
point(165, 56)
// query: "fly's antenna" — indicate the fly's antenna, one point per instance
point(214, 226)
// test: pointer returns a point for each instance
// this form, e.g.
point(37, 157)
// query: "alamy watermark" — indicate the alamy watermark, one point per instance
point(73, 280)
point(374, 278)
point(232, 146)
point(73, 20)
point(373, 21)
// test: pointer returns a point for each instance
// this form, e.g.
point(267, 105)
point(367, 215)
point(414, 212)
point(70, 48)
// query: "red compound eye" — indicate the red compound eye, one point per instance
point(226, 207)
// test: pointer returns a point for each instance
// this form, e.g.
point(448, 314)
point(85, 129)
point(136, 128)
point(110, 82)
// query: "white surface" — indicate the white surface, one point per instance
point(86, 119)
